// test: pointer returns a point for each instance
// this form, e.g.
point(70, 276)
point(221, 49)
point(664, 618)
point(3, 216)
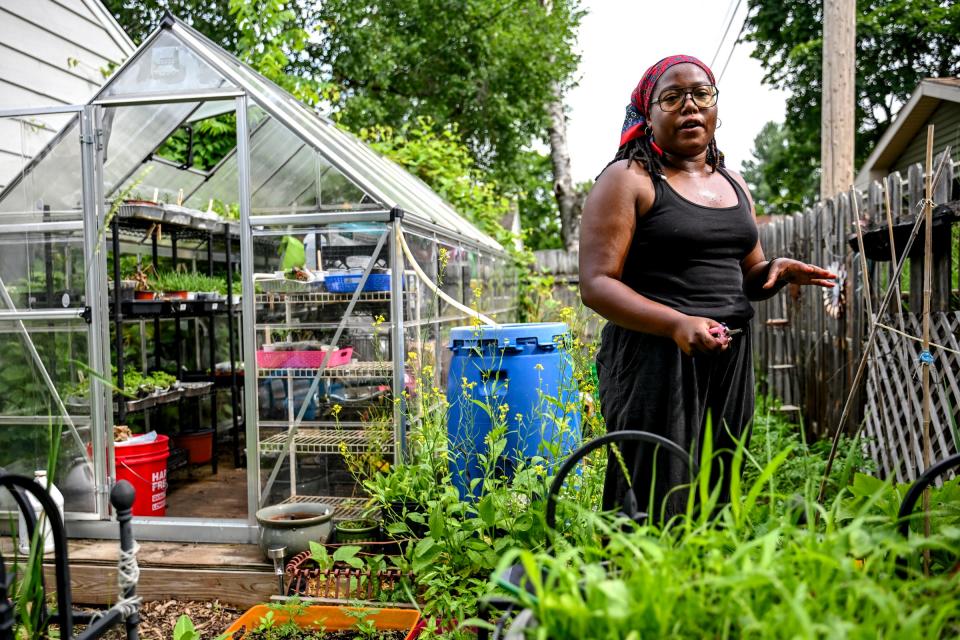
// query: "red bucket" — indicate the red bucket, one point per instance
point(145, 467)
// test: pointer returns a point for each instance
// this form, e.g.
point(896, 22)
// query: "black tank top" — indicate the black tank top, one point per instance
point(687, 256)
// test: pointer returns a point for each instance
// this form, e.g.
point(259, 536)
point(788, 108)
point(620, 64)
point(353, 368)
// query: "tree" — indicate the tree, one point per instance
point(439, 157)
point(486, 65)
point(770, 174)
point(899, 42)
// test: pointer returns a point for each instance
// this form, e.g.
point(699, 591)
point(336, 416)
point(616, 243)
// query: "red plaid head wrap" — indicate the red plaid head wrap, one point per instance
point(638, 111)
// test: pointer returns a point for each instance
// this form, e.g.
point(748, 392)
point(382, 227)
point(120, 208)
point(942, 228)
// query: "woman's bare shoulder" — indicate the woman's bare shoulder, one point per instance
point(624, 181)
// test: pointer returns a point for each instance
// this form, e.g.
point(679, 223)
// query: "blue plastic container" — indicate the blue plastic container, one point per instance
point(522, 372)
point(348, 282)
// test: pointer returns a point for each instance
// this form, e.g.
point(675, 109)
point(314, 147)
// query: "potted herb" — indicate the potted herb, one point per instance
point(360, 530)
point(173, 284)
point(402, 494)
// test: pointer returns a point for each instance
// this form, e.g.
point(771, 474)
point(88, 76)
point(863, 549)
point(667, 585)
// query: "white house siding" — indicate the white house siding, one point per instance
point(52, 52)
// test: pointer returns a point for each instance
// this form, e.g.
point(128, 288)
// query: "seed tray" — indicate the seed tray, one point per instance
point(142, 211)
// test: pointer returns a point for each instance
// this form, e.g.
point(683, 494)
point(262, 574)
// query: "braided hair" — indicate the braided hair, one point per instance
point(641, 150)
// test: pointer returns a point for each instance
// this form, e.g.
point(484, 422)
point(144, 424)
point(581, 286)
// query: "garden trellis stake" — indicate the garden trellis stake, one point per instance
point(925, 358)
point(872, 336)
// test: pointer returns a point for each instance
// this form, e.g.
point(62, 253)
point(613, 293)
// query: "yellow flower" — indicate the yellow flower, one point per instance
point(335, 410)
point(538, 367)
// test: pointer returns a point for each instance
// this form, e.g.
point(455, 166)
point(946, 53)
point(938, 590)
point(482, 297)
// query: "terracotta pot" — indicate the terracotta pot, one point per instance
point(175, 295)
point(334, 619)
point(144, 295)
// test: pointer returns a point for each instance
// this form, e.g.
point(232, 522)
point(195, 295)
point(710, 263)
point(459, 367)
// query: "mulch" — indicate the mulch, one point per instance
point(158, 618)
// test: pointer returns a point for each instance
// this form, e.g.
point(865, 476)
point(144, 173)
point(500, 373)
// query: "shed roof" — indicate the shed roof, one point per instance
point(928, 95)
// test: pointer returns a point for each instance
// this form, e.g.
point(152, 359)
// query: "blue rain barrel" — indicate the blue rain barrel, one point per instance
point(518, 376)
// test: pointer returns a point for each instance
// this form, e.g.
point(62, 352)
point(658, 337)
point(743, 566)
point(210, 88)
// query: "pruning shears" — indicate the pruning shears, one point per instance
point(724, 330)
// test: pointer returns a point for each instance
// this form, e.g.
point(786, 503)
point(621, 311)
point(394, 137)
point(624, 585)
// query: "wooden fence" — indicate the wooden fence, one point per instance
point(808, 342)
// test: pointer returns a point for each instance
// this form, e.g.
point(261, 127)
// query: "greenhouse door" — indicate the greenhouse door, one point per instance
point(52, 391)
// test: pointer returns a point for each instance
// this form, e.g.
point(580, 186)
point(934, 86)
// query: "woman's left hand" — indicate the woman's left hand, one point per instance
point(796, 272)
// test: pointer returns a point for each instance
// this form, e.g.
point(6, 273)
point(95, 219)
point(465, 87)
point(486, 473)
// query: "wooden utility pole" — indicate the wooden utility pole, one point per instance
point(837, 117)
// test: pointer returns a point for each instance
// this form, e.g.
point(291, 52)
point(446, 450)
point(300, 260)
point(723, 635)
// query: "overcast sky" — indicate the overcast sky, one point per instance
point(619, 39)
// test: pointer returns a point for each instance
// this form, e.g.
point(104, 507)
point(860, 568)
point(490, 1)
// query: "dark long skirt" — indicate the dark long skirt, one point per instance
point(648, 384)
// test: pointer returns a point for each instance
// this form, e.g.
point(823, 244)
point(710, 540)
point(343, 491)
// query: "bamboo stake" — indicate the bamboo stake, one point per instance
point(854, 200)
point(925, 365)
point(893, 252)
point(895, 283)
point(870, 341)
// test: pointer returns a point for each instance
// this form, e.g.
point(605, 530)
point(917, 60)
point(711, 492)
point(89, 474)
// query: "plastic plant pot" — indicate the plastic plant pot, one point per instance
point(332, 619)
point(176, 295)
point(199, 445)
point(364, 530)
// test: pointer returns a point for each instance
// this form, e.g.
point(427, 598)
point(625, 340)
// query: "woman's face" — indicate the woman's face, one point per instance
point(688, 130)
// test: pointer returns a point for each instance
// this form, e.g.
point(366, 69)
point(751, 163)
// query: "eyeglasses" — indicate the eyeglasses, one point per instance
point(703, 96)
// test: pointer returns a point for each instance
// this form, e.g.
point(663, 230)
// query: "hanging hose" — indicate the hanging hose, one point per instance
point(434, 288)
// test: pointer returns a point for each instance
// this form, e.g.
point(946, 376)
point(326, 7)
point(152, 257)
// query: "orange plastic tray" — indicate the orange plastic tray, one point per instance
point(333, 618)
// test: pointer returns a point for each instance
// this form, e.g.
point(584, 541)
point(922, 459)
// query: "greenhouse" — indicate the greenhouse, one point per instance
point(256, 315)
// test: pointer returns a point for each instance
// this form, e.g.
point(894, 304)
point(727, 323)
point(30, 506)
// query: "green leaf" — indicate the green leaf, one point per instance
point(319, 555)
point(348, 555)
point(487, 510)
point(184, 629)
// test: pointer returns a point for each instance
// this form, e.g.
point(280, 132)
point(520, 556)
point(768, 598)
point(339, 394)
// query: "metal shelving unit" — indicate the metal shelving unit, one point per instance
point(336, 319)
point(328, 441)
point(353, 371)
point(142, 221)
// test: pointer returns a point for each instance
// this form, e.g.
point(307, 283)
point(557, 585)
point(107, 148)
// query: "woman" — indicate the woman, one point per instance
point(669, 254)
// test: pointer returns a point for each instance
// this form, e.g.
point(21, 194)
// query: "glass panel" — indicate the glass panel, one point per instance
point(283, 172)
point(160, 182)
point(40, 169)
point(293, 186)
point(452, 261)
point(131, 134)
point(42, 270)
point(338, 192)
point(29, 416)
point(61, 346)
point(166, 66)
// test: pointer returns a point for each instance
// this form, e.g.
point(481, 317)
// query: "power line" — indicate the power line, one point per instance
point(732, 49)
point(726, 30)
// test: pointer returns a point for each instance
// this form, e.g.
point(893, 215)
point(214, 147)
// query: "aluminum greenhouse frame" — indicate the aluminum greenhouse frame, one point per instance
point(293, 173)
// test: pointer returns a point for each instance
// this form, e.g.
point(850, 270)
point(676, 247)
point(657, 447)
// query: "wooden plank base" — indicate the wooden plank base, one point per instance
point(234, 574)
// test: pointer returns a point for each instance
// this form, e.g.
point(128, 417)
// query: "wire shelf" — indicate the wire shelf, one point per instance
point(326, 441)
point(321, 297)
point(353, 371)
point(343, 508)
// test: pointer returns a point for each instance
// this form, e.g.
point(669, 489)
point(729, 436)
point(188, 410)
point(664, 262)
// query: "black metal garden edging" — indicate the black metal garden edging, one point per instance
point(916, 490)
point(526, 618)
point(617, 436)
point(126, 611)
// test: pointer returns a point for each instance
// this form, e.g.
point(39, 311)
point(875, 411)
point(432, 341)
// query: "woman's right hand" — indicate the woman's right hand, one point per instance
point(692, 334)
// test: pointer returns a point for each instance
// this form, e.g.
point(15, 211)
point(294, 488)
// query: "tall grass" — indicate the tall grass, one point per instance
point(752, 568)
